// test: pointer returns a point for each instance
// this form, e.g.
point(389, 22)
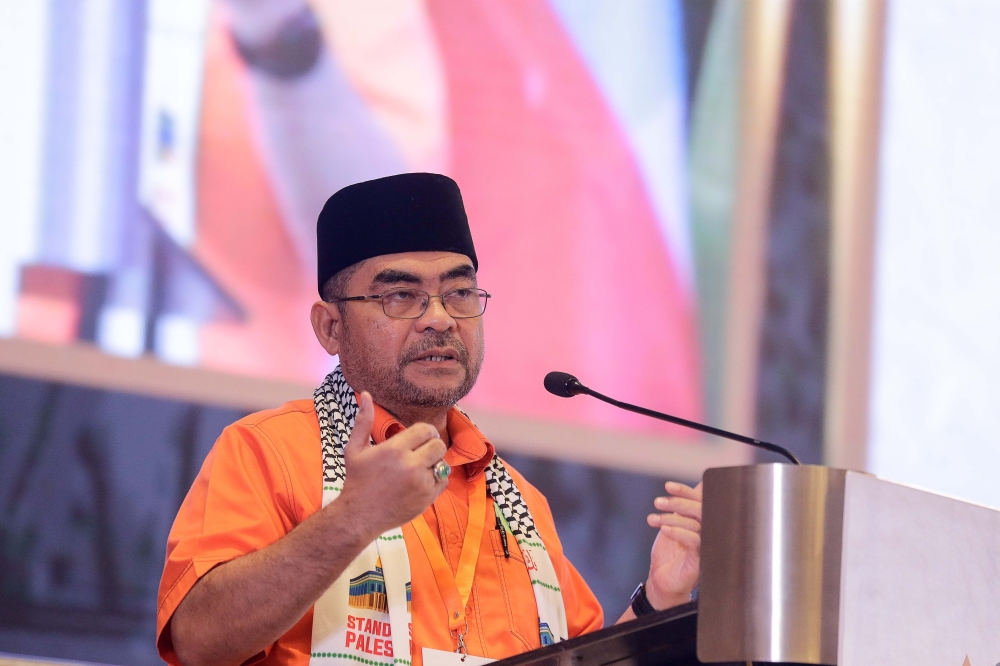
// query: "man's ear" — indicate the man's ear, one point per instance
point(327, 324)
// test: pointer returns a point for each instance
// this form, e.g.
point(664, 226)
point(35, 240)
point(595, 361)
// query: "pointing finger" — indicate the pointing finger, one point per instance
point(682, 536)
point(681, 490)
point(673, 520)
point(685, 507)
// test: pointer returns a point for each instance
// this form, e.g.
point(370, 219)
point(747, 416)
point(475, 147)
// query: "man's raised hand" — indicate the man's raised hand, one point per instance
point(675, 560)
point(390, 484)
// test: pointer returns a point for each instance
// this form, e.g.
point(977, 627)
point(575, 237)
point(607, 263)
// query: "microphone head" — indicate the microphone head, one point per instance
point(562, 384)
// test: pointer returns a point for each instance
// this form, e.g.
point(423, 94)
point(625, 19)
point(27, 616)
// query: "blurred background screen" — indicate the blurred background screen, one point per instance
point(173, 161)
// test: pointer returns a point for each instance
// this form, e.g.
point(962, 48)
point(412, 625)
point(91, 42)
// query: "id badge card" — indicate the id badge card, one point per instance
point(434, 657)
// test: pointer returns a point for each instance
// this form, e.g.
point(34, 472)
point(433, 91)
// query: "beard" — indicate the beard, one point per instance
point(367, 369)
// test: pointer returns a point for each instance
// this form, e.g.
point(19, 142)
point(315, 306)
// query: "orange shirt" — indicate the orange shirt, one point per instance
point(263, 477)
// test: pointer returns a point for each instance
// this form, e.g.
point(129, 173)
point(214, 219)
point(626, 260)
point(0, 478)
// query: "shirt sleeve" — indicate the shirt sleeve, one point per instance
point(240, 502)
point(583, 610)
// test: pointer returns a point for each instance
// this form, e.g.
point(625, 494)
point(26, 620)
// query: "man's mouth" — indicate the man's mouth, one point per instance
point(437, 356)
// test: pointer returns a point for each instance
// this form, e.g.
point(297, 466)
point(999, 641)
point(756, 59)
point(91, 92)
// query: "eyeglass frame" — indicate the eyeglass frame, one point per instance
point(483, 294)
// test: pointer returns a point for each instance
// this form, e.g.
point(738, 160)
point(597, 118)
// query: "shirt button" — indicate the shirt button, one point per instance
point(453, 538)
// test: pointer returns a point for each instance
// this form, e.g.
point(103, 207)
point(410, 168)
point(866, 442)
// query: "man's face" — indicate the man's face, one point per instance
point(432, 361)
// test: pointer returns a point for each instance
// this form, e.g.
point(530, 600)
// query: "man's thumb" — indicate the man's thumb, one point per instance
point(362, 425)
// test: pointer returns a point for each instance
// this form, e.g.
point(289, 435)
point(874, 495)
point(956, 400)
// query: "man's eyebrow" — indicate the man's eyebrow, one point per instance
point(395, 276)
point(463, 271)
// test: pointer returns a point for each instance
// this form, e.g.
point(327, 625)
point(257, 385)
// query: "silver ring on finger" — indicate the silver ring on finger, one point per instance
point(441, 471)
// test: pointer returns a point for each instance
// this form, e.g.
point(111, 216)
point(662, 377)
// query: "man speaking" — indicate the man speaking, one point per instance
point(375, 524)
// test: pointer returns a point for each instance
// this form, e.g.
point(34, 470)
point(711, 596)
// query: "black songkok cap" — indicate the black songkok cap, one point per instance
point(411, 212)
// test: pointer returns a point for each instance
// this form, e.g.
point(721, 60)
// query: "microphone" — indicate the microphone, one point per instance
point(566, 385)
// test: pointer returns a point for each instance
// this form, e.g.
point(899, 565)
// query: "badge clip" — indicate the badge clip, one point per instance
point(460, 635)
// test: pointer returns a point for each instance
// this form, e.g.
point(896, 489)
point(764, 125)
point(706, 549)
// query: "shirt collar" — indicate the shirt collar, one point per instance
point(469, 447)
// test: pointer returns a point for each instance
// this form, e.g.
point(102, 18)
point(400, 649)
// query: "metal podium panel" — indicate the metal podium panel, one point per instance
point(920, 578)
point(770, 563)
point(814, 565)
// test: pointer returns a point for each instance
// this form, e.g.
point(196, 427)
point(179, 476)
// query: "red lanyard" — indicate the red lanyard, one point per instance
point(456, 588)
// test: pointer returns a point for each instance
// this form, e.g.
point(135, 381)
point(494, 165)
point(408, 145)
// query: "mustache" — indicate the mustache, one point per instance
point(434, 341)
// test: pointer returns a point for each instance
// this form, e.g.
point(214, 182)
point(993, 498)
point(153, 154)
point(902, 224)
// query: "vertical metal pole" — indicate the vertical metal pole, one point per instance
point(764, 48)
point(856, 44)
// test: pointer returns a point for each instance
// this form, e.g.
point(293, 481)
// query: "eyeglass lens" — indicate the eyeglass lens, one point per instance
point(412, 303)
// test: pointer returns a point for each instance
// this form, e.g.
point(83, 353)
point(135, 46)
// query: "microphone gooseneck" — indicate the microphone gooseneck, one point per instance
point(566, 385)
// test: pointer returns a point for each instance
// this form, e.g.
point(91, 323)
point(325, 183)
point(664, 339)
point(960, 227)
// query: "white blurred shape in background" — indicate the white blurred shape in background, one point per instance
point(23, 60)
point(935, 399)
point(171, 108)
point(168, 152)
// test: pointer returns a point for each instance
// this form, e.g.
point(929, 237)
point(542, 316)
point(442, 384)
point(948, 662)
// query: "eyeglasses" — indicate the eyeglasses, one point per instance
point(406, 303)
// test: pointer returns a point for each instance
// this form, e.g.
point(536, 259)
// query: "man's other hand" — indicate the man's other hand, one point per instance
point(390, 484)
point(674, 562)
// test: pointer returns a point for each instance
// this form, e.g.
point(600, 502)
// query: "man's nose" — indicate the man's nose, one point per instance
point(435, 317)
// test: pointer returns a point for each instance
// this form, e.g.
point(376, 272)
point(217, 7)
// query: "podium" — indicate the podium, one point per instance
point(813, 565)
point(666, 637)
